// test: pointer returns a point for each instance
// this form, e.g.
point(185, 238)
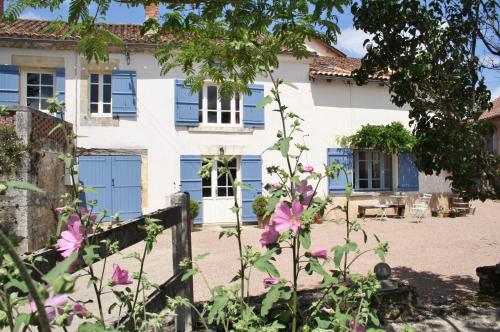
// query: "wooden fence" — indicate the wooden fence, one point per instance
point(175, 217)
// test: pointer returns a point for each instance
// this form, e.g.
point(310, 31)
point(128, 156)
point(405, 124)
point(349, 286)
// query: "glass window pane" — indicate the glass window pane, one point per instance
point(375, 169)
point(33, 103)
point(94, 78)
point(232, 163)
point(47, 79)
point(93, 108)
point(206, 182)
point(106, 108)
point(106, 93)
point(362, 155)
point(222, 181)
point(225, 104)
point(363, 170)
point(375, 183)
point(200, 99)
point(237, 101)
point(207, 192)
point(212, 117)
point(212, 97)
point(226, 117)
point(106, 78)
point(221, 192)
point(233, 173)
point(230, 191)
point(200, 116)
point(44, 104)
point(94, 93)
point(33, 91)
point(33, 78)
point(237, 117)
point(47, 91)
point(363, 184)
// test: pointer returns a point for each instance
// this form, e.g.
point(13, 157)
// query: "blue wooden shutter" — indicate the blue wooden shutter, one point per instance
point(191, 181)
point(95, 172)
point(186, 105)
point(407, 172)
point(126, 186)
point(9, 85)
point(252, 117)
point(344, 157)
point(60, 89)
point(123, 93)
point(251, 174)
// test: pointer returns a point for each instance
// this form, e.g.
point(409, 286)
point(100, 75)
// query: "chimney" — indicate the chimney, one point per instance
point(151, 11)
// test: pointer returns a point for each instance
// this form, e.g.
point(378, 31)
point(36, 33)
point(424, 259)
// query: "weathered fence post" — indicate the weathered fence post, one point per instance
point(181, 249)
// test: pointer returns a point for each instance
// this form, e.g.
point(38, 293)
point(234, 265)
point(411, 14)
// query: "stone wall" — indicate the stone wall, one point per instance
point(28, 214)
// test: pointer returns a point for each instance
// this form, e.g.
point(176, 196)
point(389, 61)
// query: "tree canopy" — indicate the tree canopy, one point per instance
point(429, 50)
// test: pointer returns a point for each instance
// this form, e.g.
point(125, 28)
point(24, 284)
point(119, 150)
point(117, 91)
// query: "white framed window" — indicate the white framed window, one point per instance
point(219, 183)
point(217, 111)
point(100, 94)
point(40, 86)
point(372, 171)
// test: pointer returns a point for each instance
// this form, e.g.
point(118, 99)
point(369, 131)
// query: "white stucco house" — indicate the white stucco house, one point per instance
point(142, 136)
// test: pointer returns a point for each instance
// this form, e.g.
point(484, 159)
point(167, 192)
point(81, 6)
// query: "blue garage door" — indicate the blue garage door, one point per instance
point(116, 181)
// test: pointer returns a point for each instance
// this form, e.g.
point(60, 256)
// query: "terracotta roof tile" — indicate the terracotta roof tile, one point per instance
point(336, 67)
point(493, 112)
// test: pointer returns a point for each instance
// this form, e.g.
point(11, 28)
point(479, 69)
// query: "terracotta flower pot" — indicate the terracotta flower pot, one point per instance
point(318, 219)
point(263, 221)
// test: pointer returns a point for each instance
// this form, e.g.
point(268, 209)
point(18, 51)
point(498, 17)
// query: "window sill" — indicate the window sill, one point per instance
point(371, 193)
point(203, 129)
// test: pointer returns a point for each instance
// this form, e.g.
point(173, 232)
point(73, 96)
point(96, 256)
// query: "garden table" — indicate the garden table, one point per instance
point(400, 207)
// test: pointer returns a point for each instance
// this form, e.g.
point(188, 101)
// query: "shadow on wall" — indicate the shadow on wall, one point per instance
point(435, 288)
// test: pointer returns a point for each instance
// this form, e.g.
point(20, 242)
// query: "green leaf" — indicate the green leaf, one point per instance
point(188, 274)
point(60, 269)
point(21, 321)
point(23, 185)
point(305, 238)
point(58, 126)
point(94, 327)
point(217, 309)
point(263, 264)
point(271, 204)
point(290, 84)
point(337, 256)
point(285, 146)
point(266, 100)
point(351, 246)
point(272, 296)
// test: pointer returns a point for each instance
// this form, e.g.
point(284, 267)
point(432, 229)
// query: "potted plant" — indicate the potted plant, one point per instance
point(259, 208)
point(194, 209)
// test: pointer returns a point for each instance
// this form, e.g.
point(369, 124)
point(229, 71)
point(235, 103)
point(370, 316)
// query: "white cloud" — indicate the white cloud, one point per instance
point(495, 93)
point(351, 41)
point(30, 16)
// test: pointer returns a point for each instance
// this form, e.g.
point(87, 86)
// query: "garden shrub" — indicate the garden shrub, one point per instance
point(194, 209)
point(259, 206)
point(12, 149)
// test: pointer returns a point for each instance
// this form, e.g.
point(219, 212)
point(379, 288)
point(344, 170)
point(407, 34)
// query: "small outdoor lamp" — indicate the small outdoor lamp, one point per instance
point(221, 151)
point(127, 55)
point(383, 273)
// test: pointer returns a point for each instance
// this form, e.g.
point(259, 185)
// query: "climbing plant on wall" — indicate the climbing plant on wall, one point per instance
point(12, 149)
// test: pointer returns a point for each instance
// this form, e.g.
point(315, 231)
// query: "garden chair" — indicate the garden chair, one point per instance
point(381, 207)
point(421, 206)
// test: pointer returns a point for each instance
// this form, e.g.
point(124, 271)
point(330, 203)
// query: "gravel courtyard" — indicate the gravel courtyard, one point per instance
point(438, 256)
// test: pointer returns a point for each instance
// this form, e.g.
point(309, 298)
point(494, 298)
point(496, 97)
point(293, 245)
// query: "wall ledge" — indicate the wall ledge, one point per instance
point(233, 130)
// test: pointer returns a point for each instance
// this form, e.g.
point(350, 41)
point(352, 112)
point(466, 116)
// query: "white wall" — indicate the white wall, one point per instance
point(330, 109)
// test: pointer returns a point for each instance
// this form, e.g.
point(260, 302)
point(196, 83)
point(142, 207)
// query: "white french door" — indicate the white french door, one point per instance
point(218, 195)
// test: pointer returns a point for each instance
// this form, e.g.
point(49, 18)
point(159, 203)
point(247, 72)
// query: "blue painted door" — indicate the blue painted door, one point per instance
point(117, 184)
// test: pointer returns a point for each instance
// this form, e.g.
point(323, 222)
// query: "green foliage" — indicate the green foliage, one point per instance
point(428, 50)
point(391, 138)
point(194, 208)
point(259, 205)
point(12, 149)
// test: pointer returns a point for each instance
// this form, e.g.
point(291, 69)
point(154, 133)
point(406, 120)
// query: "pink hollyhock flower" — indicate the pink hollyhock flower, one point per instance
point(79, 309)
point(73, 217)
point(269, 281)
point(70, 240)
point(308, 169)
point(275, 185)
point(288, 218)
point(54, 305)
point(306, 191)
point(120, 277)
point(319, 253)
point(269, 236)
point(356, 326)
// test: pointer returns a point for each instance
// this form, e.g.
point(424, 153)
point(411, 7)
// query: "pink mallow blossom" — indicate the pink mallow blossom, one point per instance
point(79, 309)
point(73, 218)
point(70, 240)
point(288, 218)
point(306, 192)
point(54, 305)
point(319, 253)
point(356, 326)
point(269, 281)
point(120, 277)
point(269, 236)
point(308, 169)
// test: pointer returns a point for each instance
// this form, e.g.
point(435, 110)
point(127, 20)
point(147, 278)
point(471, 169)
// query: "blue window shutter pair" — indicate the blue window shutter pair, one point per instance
point(124, 93)
point(186, 105)
point(117, 184)
point(253, 117)
point(407, 172)
point(187, 108)
point(251, 174)
point(60, 89)
point(9, 85)
point(191, 180)
point(344, 157)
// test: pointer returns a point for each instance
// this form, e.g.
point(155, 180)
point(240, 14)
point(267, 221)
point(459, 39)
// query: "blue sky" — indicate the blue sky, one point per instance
point(349, 41)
